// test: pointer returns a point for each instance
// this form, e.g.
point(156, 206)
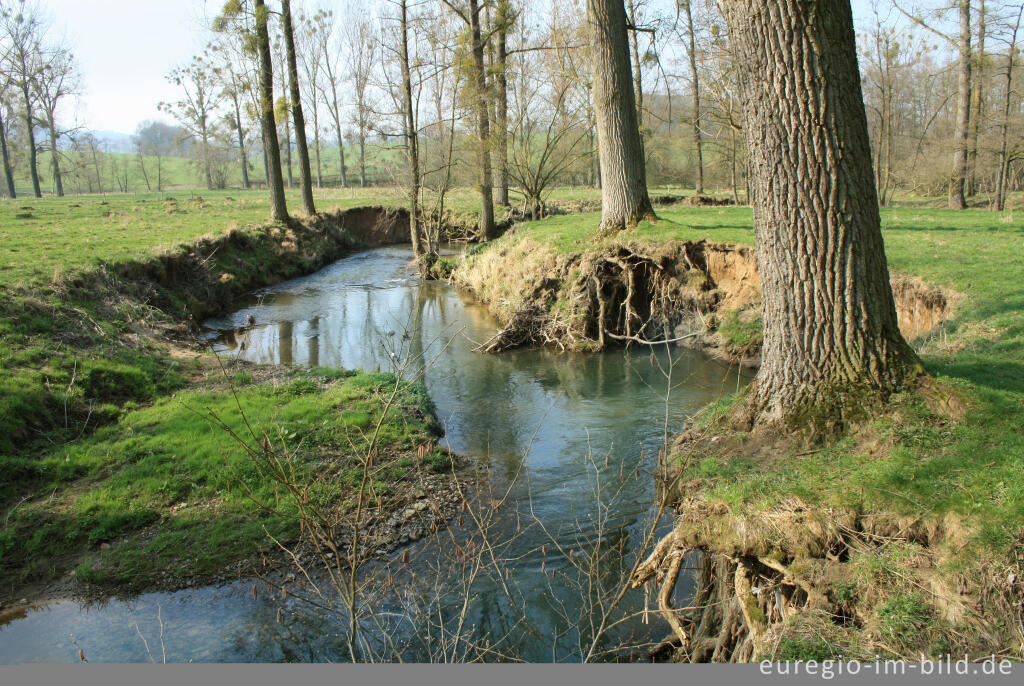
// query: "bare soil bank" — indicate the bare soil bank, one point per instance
point(786, 581)
point(700, 294)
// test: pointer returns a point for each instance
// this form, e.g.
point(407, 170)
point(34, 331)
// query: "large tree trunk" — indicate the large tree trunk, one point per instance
point(305, 173)
point(30, 137)
point(275, 181)
point(411, 138)
point(830, 329)
point(695, 78)
point(958, 179)
point(483, 125)
point(58, 183)
point(624, 198)
point(977, 106)
point(1007, 99)
point(504, 17)
point(8, 174)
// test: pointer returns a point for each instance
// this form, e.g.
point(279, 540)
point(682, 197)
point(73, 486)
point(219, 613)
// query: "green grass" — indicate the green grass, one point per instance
point(108, 485)
point(174, 464)
point(66, 235)
point(572, 233)
point(974, 466)
point(87, 415)
point(41, 238)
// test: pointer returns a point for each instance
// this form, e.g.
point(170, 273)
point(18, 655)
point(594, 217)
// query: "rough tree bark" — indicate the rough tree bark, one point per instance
point(8, 175)
point(624, 198)
point(504, 16)
point(483, 124)
point(830, 327)
point(305, 174)
point(695, 79)
point(272, 149)
point(411, 136)
point(958, 178)
point(1007, 100)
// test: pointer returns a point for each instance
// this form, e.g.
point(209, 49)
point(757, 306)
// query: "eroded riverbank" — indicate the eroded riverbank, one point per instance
point(575, 438)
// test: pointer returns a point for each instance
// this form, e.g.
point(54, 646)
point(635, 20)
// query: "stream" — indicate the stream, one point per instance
point(575, 437)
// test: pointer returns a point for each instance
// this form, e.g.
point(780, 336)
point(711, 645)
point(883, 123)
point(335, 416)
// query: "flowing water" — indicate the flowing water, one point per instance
point(575, 436)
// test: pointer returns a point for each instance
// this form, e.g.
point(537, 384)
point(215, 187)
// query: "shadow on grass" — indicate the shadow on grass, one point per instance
point(996, 227)
point(1000, 375)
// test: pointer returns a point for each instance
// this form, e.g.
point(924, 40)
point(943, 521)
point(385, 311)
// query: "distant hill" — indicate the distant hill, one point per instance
point(114, 141)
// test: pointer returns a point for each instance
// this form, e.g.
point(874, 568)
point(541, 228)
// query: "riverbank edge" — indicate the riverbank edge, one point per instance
point(853, 583)
point(153, 305)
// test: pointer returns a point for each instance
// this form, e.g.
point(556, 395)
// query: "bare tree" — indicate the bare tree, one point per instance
point(156, 140)
point(235, 73)
point(25, 31)
point(958, 181)
point(362, 61)
point(469, 12)
point(295, 95)
point(548, 133)
point(957, 199)
point(691, 36)
point(312, 57)
point(56, 79)
point(410, 133)
point(1004, 158)
point(201, 97)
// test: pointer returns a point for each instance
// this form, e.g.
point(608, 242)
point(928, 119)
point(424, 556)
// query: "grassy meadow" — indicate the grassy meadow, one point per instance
point(945, 458)
point(120, 475)
point(975, 466)
point(111, 462)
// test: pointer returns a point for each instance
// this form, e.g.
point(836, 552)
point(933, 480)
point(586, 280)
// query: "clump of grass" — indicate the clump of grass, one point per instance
point(742, 330)
point(805, 649)
point(176, 463)
point(904, 615)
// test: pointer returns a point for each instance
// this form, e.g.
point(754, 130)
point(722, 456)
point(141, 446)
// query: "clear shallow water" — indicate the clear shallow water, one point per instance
point(534, 415)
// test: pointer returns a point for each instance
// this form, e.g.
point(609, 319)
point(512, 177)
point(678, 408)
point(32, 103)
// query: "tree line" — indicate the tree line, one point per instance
point(501, 96)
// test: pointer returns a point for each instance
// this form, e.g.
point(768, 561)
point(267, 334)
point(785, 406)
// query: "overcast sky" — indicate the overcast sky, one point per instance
point(126, 47)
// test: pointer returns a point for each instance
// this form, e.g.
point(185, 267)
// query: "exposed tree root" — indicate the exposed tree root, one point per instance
point(749, 599)
point(700, 294)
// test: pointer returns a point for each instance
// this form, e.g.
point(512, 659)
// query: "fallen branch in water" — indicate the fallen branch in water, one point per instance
point(642, 341)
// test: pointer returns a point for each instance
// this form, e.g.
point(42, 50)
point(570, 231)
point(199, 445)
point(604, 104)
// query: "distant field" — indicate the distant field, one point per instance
point(43, 236)
point(182, 172)
point(39, 237)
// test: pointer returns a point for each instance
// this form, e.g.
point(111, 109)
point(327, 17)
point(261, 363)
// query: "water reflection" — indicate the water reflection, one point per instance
point(582, 432)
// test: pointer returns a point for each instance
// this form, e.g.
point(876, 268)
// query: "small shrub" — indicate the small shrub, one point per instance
point(904, 615)
point(242, 379)
point(804, 649)
point(301, 386)
point(742, 330)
